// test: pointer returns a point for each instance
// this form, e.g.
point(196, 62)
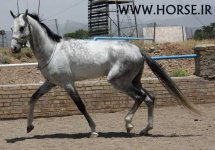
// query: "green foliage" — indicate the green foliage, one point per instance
point(206, 32)
point(5, 60)
point(27, 52)
point(79, 34)
point(17, 55)
point(179, 72)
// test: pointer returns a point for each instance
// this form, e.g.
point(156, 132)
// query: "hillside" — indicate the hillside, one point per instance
point(24, 75)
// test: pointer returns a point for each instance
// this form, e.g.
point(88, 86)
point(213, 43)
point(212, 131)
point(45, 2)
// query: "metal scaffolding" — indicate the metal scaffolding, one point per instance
point(99, 20)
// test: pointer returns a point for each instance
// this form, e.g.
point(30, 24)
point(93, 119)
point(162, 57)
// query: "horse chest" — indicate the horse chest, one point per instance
point(55, 75)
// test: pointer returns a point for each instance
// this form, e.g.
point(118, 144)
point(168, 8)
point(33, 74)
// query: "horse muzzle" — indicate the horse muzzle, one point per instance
point(15, 49)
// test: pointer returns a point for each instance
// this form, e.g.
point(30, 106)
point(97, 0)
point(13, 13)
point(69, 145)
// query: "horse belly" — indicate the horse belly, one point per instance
point(83, 72)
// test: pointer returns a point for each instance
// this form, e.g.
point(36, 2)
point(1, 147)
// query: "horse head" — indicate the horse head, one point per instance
point(20, 31)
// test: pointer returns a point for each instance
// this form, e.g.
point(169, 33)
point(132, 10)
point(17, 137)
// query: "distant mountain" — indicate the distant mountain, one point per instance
point(68, 26)
point(71, 26)
point(189, 21)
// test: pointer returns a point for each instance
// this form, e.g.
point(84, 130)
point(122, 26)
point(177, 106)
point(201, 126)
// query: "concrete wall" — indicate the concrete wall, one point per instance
point(98, 95)
point(166, 33)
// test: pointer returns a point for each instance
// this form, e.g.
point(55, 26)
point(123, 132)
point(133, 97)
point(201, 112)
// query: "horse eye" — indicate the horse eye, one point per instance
point(21, 29)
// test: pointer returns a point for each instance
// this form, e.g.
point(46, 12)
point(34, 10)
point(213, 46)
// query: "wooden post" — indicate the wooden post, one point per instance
point(154, 36)
point(56, 26)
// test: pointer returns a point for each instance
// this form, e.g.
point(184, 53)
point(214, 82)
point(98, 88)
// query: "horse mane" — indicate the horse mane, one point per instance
point(51, 34)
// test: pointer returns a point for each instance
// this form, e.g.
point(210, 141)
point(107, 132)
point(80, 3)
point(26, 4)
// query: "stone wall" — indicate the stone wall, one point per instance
point(98, 96)
point(205, 63)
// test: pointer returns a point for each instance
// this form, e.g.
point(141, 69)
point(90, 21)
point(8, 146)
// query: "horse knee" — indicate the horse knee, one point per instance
point(149, 101)
point(32, 100)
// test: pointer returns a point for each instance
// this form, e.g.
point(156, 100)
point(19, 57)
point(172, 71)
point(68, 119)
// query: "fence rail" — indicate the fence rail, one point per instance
point(119, 38)
point(18, 65)
point(187, 56)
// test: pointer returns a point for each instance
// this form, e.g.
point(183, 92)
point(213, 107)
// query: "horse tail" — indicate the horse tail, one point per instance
point(168, 83)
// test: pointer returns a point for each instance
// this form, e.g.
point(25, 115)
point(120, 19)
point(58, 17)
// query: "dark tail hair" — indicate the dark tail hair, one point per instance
point(168, 82)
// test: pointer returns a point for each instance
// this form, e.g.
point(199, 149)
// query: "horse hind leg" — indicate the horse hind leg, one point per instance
point(129, 82)
point(149, 101)
point(138, 99)
point(140, 95)
point(130, 90)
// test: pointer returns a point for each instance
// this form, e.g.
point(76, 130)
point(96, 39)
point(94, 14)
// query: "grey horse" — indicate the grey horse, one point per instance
point(62, 62)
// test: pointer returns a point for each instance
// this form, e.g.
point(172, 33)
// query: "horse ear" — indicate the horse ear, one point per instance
point(26, 13)
point(12, 14)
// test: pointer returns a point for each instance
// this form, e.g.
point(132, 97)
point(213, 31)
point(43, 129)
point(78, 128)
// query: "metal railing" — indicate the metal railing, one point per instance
point(119, 38)
point(187, 56)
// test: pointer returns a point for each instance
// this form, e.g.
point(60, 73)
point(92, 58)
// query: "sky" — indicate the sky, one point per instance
point(75, 10)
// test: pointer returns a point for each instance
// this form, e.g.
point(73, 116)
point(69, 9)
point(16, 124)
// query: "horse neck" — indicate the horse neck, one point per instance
point(41, 44)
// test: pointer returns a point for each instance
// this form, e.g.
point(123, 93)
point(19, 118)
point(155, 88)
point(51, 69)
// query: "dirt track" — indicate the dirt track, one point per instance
point(174, 129)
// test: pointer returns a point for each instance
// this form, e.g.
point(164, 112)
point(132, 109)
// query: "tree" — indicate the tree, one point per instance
point(206, 32)
point(79, 34)
point(198, 34)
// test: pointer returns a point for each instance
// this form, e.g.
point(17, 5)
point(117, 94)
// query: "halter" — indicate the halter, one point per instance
point(23, 40)
point(20, 40)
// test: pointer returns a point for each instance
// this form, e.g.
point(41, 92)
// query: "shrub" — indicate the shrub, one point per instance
point(79, 34)
point(206, 32)
point(5, 60)
point(29, 54)
point(179, 72)
point(17, 56)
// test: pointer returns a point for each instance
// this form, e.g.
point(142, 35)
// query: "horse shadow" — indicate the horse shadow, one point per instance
point(86, 135)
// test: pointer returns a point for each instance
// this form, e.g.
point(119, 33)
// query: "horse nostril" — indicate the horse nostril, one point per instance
point(14, 49)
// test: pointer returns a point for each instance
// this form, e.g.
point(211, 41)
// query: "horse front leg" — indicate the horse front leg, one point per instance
point(79, 103)
point(44, 88)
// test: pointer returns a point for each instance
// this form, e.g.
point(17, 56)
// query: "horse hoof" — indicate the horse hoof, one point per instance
point(30, 128)
point(94, 135)
point(144, 133)
point(129, 127)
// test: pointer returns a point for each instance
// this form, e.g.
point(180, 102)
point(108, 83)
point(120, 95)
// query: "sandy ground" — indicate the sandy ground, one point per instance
point(174, 129)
